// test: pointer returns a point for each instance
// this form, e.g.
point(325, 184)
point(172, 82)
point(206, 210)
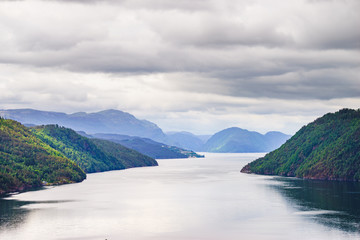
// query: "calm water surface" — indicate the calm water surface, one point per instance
point(185, 199)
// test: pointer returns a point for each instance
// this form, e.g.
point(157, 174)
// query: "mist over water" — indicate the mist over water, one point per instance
point(185, 199)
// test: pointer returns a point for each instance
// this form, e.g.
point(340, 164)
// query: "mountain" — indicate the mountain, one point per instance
point(92, 155)
point(204, 138)
point(108, 121)
point(185, 140)
point(122, 123)
point(327, 149)
point(27, 162)
point(149, 147)
point(239, 140)
point(275, 139)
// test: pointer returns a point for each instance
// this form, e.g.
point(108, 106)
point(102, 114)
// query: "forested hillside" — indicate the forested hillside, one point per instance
point(328, 149)
point(27, 162)
point(92, 155)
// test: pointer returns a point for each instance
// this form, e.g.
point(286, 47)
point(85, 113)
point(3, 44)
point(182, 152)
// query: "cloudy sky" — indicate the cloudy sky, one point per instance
point(194, 65)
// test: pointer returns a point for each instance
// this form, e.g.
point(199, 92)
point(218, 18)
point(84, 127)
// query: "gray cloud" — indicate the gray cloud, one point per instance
point(215, 56)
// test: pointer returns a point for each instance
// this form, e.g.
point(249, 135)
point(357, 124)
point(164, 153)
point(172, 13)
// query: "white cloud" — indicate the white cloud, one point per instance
point(186, 65)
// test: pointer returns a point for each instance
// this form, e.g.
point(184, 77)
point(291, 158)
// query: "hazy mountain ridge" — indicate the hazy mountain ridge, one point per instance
point(122, 123)
point(239, 140)
point(185, 140)
point(148, 146)
point(327, 149)
point(107, 121)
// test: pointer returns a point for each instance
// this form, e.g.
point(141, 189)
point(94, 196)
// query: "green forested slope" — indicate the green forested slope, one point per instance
point(328, 148)
point(128, 157)
point(92, 155)
point(26, 161)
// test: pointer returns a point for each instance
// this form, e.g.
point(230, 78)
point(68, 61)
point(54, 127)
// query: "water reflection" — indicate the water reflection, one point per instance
point(202, 199)
point(11, 213)
point(334, 204)
point(14, 213)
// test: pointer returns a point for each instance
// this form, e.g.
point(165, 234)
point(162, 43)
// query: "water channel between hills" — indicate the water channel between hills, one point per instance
point(206, 198)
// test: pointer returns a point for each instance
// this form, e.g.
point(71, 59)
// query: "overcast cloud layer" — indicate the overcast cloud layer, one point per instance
point(195, 65)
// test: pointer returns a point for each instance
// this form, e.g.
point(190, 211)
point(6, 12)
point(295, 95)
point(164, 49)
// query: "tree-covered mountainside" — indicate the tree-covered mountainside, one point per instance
point(328, 149)
point(27, 162)
point(92, 155)
point(149, 147)
point(237, 140)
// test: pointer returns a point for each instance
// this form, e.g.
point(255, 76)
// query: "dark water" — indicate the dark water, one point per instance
point(335, 204)
point(185, 199)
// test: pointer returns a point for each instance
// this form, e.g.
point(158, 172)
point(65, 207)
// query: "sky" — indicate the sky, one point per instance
point(186, 65)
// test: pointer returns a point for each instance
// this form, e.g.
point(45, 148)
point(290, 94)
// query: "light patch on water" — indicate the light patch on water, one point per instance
point(192, 199)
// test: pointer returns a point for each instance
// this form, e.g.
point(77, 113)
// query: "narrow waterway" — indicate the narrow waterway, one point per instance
point(185, 199)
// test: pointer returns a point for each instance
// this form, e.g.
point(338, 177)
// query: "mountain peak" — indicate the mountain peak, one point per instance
point(236, 139)
point(107, 121)
point(112, 111)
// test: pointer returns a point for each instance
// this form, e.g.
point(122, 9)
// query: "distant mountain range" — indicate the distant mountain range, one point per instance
point(148, 146)
point(239, 140)
point(108, 121)
point(185, 140)
point(137, 131)
point(326, 149)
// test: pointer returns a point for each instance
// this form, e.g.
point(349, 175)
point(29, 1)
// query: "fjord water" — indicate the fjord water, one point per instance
point(185, 199)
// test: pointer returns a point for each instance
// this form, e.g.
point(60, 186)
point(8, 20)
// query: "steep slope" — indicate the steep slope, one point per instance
point(92, 155)
point(239, 140)
point(328, 149)
point(27, 162)
point(108, 121)
point(149, 147)
point(129, 158)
